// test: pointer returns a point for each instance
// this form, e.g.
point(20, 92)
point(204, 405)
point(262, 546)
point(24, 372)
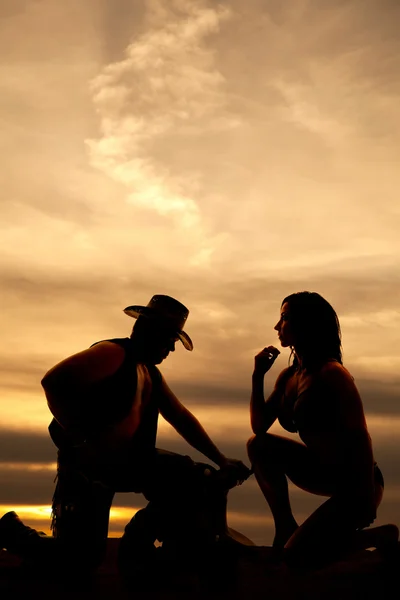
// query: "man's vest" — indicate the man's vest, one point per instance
point(104, 404)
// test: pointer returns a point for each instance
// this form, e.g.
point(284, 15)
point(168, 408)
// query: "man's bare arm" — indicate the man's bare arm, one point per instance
point(186, 424)
point(65, 385)
point(83, 368)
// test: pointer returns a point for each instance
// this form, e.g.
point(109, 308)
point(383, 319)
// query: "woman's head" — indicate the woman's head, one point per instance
point(309, 324)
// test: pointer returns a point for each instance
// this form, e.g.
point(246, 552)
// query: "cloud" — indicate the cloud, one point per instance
point(229, 318)
point(167, 87)
point(22, 446)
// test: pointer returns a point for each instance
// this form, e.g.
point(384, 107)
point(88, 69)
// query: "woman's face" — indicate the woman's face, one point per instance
point(283, 327)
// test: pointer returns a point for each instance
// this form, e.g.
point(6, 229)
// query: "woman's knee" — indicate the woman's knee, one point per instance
point(252, 447)
point(258, 445)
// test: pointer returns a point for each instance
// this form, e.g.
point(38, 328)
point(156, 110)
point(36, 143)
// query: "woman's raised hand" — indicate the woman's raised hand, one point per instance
point(264, 360)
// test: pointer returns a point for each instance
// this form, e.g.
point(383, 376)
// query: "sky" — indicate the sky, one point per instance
point(224, 153)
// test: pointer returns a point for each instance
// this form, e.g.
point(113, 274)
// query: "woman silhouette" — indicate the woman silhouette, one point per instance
point(317, 398)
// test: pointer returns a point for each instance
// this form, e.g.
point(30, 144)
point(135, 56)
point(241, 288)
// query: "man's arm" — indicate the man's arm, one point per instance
point(93, 364)
point(66, 383)
point(186, 424)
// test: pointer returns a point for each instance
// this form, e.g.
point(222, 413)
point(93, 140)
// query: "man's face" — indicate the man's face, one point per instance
point(161, 346)
point(155, 341)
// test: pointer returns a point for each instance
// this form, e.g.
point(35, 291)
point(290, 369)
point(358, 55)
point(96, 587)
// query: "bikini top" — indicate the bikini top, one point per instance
point(315, 411)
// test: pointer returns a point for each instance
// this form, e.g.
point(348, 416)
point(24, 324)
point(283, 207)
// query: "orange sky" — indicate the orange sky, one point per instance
point(227, 154)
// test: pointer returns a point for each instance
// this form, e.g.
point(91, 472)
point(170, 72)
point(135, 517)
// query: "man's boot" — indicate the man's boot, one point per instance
point(18, 538)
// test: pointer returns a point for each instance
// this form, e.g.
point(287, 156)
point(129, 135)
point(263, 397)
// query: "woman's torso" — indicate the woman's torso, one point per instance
point(320, 417)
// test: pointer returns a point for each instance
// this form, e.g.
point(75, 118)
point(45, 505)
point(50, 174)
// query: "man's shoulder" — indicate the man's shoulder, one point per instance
point(125, 343)
point(113, 348)
point(92, 364)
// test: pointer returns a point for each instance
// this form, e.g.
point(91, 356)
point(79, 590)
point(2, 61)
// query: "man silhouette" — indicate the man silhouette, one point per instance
point(105, 401)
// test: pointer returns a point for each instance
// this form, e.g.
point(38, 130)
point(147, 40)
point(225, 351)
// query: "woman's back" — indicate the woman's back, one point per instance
point(325, 408)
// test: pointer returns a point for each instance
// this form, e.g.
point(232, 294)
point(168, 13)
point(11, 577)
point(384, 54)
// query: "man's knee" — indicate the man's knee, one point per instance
point(173, 477)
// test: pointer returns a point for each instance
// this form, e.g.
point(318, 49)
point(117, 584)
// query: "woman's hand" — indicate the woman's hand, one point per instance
point(264, 360)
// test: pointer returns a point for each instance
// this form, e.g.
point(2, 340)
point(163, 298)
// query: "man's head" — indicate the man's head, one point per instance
point(159, 325)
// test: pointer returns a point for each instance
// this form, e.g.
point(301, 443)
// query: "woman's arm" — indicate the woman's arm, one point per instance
point(188, 426)
point(263, 412)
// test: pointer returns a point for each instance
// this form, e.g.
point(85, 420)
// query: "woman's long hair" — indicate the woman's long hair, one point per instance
point(316, 329)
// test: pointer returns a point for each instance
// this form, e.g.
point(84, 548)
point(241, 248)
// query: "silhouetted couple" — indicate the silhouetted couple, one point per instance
point(106, 401)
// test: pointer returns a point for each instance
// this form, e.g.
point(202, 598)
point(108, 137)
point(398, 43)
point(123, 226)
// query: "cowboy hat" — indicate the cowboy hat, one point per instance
point(168, 309)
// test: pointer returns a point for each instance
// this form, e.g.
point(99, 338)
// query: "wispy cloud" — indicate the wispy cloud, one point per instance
point(167, 86)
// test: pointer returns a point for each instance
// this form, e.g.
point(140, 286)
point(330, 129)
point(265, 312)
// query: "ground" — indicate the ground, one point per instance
point(367, 575)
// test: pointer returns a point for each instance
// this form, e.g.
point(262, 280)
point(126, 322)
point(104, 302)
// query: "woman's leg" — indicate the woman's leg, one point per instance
point(335, 527)
point(274, 459)
point(334, 530)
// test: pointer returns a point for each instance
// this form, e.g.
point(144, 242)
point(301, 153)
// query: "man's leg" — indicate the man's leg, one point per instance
point(81, 509)
point(187, 505)
point(136, 550)
point(80, 525)
point(186, 512)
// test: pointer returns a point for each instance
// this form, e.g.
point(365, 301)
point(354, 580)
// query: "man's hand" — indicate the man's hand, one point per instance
point(233, 471)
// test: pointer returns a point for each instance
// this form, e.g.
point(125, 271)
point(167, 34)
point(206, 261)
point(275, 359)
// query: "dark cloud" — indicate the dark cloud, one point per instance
point(19, 486)
point(370, 287)
point(23, 374)
point(18, 446)
point(21, 366)
point(46, 196)
point(374, 286)
point(380, 397)
point(120, 22)
point(10, 8)
point(28, 289)
point(25, 447)
point(323, 29)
